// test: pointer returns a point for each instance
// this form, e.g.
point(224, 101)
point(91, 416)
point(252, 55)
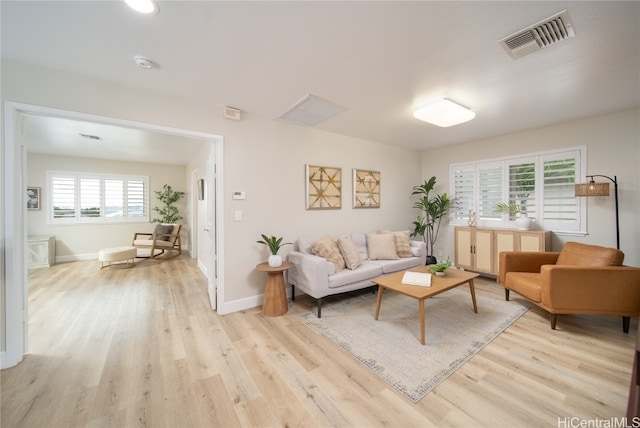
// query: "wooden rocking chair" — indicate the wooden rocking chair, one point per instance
point(165, 237)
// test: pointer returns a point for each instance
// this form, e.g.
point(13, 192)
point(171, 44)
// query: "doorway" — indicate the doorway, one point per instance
point(14, 230)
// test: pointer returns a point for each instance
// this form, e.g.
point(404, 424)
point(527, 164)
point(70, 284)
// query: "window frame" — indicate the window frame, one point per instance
point(78, 218)
point(577, 227)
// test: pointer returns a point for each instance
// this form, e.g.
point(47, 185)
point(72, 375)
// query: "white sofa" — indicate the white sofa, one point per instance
point(322, 276)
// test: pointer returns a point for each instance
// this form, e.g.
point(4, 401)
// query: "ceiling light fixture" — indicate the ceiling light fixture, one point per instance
point(144, 62)
point(444, 113)
point(148, 7)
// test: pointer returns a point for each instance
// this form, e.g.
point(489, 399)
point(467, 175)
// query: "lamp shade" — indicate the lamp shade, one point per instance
point(592, 189)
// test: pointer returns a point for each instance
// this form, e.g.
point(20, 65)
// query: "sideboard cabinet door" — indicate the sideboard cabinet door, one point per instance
point(478, 249)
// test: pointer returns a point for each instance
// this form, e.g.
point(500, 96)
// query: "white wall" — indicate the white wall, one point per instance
point(197, 169)
point(262, 157)
point(613, 148)
point(85, 240)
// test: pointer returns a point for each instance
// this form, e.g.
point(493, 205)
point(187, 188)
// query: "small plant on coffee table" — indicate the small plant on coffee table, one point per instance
point(440, 267)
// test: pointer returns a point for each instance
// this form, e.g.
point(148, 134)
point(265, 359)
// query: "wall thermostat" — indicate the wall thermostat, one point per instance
point(238, 195)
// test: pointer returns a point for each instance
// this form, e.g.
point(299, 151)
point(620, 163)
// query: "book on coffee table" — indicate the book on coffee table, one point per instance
point(417, 278)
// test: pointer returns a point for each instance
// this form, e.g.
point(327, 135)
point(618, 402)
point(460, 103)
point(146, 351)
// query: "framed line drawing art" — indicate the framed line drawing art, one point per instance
point(366, 189)
point(323, 187)
point(33, 198)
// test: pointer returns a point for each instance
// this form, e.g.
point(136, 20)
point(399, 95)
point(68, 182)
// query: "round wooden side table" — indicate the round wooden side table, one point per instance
point(275, 295)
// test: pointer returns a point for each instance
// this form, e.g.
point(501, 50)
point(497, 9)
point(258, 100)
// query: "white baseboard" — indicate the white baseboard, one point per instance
point(249, 302)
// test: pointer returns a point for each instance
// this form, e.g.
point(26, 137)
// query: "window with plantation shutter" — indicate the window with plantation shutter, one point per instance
point(560, 206)
point(90, 192)
point(94, 198)
point(540, 184)
point(522, 186)
point(136, 201)
point(114, 198)
point(490, 181)
point(63, 197)
point(463, 180)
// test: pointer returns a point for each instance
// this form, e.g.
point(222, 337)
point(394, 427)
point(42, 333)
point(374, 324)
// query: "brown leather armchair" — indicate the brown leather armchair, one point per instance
point(580, 279)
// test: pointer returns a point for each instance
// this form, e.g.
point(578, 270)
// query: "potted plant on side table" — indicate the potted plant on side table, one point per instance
point(274, 245)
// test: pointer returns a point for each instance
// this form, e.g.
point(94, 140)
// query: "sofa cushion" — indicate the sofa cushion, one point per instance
point(381, 246)
point(390, 266)
point(349, 253)
point(574, 253)
point(327, 248)
point(304, 244)
point(527, 284)
point(366, 271)
point(360, 241)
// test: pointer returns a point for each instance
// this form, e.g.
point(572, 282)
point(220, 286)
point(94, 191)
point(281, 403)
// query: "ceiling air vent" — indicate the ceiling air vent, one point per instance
point(311, 110)
point(539, 35)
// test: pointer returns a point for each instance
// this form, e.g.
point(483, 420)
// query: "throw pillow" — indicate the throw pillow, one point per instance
point(162, 228)
point(381, 246)
point(327, 248)
point(349, 252)
point(402, 244)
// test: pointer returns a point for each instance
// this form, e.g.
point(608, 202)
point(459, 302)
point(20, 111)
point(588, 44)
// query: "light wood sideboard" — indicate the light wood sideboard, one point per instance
point(478, 248)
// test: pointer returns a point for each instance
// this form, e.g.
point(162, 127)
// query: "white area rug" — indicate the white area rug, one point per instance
point(391, 347)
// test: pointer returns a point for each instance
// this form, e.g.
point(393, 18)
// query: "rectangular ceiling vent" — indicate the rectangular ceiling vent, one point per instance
point(539, 36)
point(311, 110)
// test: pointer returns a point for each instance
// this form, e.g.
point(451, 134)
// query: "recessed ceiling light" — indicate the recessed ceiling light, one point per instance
point(144, 62)
point(149, 7)
point(444, 113)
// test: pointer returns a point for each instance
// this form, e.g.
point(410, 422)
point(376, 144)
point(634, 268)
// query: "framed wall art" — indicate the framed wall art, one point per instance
point(33, 198)
point(323, 187)
point(366, 189)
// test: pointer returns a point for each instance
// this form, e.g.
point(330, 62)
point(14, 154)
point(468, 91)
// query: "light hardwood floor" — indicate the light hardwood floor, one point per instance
point(140, 347)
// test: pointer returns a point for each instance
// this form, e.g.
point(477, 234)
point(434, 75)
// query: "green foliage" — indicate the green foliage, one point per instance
point(504, 208)
point(433, 209)
point(441, 266)
point(168, 212)
point(273, 243)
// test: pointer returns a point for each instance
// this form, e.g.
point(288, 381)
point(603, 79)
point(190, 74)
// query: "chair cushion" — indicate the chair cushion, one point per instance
point(149, 243)
point(574, 253)
point(161, 229)
point(525, 283)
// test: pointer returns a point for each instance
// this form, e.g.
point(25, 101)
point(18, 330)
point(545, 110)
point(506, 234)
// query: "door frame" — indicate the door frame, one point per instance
point(14, 228)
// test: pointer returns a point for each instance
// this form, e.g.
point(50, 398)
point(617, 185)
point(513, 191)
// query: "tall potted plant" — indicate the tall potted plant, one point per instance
point(432, 210)
point(168, 212)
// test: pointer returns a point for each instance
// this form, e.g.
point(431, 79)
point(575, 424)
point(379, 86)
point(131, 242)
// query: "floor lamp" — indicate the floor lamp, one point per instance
point(601, 189)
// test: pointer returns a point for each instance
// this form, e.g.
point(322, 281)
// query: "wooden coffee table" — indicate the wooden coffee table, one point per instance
point(439, 284)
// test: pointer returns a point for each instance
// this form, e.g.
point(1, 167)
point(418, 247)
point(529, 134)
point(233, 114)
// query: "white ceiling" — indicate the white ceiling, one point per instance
point(61, 136)
point(378, 59)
